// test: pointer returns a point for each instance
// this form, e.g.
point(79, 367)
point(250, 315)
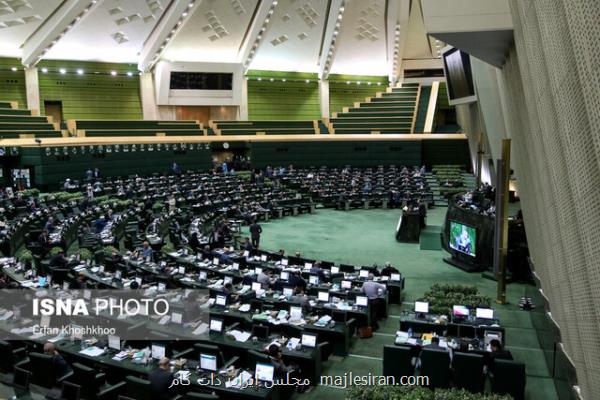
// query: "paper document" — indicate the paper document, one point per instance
point(92, 351)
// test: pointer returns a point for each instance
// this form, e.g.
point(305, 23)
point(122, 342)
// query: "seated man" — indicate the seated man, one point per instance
point(146, 251)
point(317, 270)
point(160, 380)
point(58, 260)
point(388, 270)
point(100, 223)
point(58, 362)
point(247, 246)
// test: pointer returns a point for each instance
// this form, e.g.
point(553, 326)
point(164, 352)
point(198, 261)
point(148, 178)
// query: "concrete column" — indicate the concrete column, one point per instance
point(243, 109)
point(32, 87)
point(324, 97)
point(149, 108)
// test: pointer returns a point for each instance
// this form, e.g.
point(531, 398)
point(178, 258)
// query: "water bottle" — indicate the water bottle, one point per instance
point(410, 332)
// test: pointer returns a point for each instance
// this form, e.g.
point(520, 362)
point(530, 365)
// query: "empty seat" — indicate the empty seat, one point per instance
point(509, 378)
point(468, 371)
point(397, 361)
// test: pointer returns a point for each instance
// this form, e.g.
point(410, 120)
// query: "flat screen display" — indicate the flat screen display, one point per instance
point(460, 311)
point(201, 81)
point(463, 238)
point(457, 67)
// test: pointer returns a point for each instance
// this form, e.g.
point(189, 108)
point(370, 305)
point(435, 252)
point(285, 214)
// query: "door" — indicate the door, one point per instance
point(194, 113)
point(54, 110)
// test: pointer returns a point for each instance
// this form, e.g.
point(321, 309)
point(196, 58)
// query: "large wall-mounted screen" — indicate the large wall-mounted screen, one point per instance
point(459, 78)
point(200, 81)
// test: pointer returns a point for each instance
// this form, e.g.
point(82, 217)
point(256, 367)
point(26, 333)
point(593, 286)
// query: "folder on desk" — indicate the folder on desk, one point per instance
point(92, 351)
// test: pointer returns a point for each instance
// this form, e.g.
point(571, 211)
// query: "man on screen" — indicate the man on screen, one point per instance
point(463, 241)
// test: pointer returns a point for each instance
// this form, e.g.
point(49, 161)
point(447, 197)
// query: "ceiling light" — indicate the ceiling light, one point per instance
point(340, 16)
point(358, 83)
point(259, 79)
point(13, 69)
point(271, 12)
point(378, 83)
point(79, 71)
point(342, 9)
point(184, 14)
point(191, 5)
point(347, 82)
point(335, 32)
point(62, 71)
point(283, 80)
point(113, 73)
point(369, 83)
point(275, 2)
point(271, 79)
point(129, 73)
point(45, 70)
point(308, 81)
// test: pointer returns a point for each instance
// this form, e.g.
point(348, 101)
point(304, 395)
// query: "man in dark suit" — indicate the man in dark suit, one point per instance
point(255, 231)
point(160, 380)
point(58, 362)
point(498, 352)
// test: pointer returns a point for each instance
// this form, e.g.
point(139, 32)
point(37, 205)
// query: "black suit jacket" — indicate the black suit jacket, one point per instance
point(160, 381)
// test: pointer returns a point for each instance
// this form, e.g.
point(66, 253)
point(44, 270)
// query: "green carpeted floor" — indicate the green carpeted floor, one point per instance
point(364, 237)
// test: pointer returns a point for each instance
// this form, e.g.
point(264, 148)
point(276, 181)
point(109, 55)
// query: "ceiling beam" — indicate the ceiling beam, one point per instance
point(397, 31)
point(258, 31)
point(332, 31)
point(171, 22)
point(54, 28)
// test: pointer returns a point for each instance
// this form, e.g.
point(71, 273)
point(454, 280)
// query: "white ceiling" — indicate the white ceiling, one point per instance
point(295, 30)
point(361, 48)
point(213, 32)
point(19, 19)
point(296, 35)
point(113, 31)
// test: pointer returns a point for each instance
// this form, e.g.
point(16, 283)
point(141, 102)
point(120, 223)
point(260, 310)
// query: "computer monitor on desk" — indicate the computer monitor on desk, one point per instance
point(285, 275)
point(362, 301)
point(295, 313)
point(335, 269)
point(459, 312)
point(256, 286)
point(347, 285)
point(313, 279)
point(208, 362)
point(221, 300)
point(364, 273)
point(158, 351)
point(288, 292)
point(309, 340)
point(323, 297)
point(489, 335)
point(484, 313)
point(395, 277)
point(264, 372)
point(114, 342)
point(216, 325)
point(421, 309)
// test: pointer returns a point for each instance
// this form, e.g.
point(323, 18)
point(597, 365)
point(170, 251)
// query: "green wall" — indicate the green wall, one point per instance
point(12, 83)
point(360, 153)
point(94, 95)
point(50, 170)
point(343, 94)
point(294, 99)
point(422, 109)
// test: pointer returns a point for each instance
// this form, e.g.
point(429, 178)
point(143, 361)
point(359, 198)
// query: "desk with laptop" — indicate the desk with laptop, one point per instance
point(469, 330)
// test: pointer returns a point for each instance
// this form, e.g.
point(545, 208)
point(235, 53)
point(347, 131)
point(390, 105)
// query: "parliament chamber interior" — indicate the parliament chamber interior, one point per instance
point(299, 199)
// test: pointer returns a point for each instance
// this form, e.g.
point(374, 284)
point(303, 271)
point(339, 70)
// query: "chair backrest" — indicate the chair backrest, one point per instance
point(6, 357)
point(70, 391)
point(138, 388)
point(256, 356)
point(435, 363)
point(41, 368)
point(204, 348)
point(21, 379)
point(83, 373)
point(397, 361)
point(509, 378)
point(468, 371)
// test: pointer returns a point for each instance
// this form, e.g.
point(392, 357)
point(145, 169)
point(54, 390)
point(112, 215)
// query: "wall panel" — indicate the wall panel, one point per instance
point(12, 83)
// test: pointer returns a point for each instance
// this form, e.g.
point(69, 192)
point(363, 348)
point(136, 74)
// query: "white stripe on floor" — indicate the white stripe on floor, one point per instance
point(367, 357)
